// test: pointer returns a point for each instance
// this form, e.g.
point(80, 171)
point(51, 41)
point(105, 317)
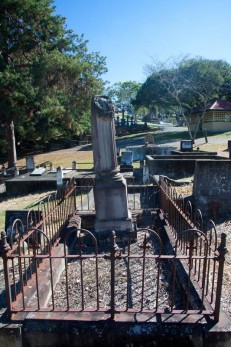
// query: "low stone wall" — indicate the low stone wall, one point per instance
point(174, 166)
point(140, 151)
point(212, 187)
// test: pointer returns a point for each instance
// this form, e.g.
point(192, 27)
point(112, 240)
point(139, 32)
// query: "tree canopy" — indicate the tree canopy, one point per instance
point(185, 84)
point(47, 75)
point(123, 92)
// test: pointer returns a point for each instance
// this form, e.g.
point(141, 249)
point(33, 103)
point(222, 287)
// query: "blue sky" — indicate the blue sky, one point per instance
point(130, 33)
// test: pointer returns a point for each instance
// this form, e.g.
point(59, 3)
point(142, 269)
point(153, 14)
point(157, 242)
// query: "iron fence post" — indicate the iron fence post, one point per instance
point(5, 247)
point(113, 254)
point(222, 250)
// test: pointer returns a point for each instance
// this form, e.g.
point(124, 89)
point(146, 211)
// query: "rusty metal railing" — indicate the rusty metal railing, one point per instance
point(33, 239)
point(137, 278)
point(197, 241)
point(140, 196)
point(76, 274)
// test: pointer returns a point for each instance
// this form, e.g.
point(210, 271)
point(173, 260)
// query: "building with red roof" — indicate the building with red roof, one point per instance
point(216, 117)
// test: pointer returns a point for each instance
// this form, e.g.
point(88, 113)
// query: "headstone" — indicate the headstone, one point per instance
point(149, 139)
point(127, 158)
point(30, 164)
point(126, 162)
point(51, 167)
point(110, 186)
point(74, 165)
point(16, 171)
point(38, 171)
point(59, 176)
point(186, 146)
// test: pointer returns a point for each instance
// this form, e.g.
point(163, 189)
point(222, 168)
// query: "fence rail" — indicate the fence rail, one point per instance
point(195, 240)
point(76, 274)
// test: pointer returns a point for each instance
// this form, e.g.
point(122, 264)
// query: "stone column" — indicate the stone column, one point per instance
point(110, 192)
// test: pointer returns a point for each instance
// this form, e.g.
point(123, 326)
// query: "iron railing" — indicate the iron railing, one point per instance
point(137, 278)
point(76, 274)
point(197, 240)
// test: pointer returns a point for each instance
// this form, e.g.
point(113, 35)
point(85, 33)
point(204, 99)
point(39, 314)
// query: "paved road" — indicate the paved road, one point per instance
point(139, 140)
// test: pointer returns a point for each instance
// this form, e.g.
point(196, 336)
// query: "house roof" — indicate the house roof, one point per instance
point(214, 105)
point(220, 105)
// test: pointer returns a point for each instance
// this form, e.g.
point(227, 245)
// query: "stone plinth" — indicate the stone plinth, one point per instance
point(111, 204)
point(110, 191)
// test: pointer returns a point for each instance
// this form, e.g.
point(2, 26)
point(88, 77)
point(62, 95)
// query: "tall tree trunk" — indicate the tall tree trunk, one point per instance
point(12, 155)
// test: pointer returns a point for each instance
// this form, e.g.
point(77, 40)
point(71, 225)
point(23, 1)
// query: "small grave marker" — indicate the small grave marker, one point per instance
point(186, 145)
point(30, 164)
point(59, 176)
point(149, 139)
point(127, 158)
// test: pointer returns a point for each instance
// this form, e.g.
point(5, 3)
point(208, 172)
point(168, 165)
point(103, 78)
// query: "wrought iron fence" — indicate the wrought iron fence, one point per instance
point(76, 274)
point(140, 196)
point(137, 278)
point(196, 240)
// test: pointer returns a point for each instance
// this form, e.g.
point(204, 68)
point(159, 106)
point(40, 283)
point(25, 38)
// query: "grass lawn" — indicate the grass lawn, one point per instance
point(84, 157)
point(62, 158)
point(217, 142)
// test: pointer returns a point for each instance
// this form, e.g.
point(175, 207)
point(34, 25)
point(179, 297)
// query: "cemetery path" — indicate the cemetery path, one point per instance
point(139, 139)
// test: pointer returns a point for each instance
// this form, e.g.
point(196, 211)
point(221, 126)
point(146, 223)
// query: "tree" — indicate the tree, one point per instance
point(65, 85)
point(187, 84)
point(47, 75)
point(123, 92)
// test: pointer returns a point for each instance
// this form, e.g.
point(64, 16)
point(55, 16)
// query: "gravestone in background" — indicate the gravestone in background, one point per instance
point(126, 161)
point(127, 158)
point(149, 139)
point(186, 146)
point(30, 164)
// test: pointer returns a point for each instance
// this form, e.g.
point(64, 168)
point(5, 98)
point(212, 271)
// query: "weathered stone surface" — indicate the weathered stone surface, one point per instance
point(110, 191)
point(212, 184)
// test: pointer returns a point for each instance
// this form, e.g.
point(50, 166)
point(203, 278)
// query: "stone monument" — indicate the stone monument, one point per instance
point(110, 191)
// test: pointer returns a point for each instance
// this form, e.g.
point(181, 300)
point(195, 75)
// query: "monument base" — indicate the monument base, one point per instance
point(123, 228)
point(111, 199)
point(124, 225)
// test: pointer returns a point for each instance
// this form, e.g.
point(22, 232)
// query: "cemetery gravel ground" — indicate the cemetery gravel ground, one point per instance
point(65, 158)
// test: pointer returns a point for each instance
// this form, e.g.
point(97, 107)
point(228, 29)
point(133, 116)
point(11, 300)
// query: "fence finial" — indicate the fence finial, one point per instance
point(5, 247)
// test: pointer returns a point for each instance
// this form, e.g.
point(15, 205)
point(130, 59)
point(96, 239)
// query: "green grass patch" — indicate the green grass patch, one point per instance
point(2, 220)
